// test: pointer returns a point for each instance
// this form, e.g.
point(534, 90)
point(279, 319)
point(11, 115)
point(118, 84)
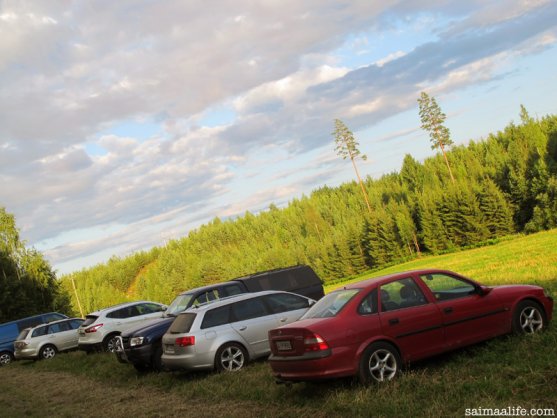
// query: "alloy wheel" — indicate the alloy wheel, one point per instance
point(531, 319)
point(382, 365)
point(232, 358)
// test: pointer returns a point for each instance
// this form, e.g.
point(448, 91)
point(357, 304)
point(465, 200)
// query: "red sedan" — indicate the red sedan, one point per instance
point(369, 329)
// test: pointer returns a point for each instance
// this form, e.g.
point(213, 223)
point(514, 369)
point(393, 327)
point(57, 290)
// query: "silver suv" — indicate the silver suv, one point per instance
point(45, 341)
point(100, 328)
point(225, 335)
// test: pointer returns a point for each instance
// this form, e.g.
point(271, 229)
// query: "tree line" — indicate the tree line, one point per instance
point(28, 284)
point(500, 185)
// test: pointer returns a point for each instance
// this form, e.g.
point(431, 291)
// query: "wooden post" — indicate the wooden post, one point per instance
point(77, 298)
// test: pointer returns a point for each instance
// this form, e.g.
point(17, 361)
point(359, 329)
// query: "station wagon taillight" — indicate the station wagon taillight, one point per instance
point(313, 342)
point(185, 341)
point(94, 328)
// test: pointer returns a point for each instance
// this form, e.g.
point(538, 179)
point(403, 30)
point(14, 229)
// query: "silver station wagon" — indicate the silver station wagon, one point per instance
point(45, 341)
point(225, 335)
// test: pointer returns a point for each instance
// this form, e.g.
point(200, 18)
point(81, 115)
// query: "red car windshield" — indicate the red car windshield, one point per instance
point(330, 305)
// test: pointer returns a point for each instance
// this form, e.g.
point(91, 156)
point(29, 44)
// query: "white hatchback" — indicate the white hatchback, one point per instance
point(100, 328)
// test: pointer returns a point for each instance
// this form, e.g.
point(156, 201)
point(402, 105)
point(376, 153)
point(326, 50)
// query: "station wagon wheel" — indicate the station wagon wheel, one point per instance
point(6, 358)
point(47, 352)
point(231, 357)
point(379, 363)
point(528, 318)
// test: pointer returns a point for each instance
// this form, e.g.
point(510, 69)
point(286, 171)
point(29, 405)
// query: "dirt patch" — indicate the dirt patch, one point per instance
point(32, 393)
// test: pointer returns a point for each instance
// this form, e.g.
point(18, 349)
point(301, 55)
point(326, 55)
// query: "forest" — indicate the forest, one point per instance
point(503, 184)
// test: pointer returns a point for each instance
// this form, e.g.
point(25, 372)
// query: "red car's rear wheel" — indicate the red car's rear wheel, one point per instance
point(380, 363)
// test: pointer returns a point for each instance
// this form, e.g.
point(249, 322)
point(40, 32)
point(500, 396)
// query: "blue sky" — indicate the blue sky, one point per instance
point(126, 124)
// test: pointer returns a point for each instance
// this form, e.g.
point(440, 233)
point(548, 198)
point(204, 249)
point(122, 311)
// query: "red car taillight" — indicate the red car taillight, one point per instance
point(185, 341)
point(94, 328)
point(313, 342)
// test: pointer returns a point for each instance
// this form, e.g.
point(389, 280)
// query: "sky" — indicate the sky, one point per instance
point(125, 124)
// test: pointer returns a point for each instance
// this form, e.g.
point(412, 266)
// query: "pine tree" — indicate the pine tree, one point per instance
point(433, 121)
point(347, 146)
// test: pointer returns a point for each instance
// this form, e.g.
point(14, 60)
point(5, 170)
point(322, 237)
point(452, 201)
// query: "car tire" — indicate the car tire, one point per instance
point(380, 362)
point(6, 358)
point(47, 352)
point(528, 317)
point(231, 357)
point(109, 343)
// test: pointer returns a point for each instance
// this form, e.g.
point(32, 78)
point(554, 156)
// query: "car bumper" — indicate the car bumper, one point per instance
point(29, 353)
point(137, 355)
point(192, 361)
point(311, 366)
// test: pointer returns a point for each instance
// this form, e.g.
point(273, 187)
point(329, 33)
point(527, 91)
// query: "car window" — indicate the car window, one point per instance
point(64, 326)
point(331, 304)
point(116, 314)
point(216, 317)
point(400, 294)
point(182, 323)
point(23, 334)
point(131, 311)
point(205, 297)
point(369, 304)
point(445, 287)
point(75, 323)
point(284, 302)
point(230, 290)
point(179, 304)
point(53, 317)
point(89, 319)
point(248, 309)
point(39, 331)
point(55, 328)
point(148, 308)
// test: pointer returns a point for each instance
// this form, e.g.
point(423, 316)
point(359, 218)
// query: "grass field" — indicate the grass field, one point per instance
point(506, 372)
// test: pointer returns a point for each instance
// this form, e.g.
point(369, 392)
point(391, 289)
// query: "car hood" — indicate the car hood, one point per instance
point(154, 326)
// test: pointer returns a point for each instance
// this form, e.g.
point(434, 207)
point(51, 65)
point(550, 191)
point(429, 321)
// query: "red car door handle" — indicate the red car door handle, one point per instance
point(448, 310)
point(393, 321)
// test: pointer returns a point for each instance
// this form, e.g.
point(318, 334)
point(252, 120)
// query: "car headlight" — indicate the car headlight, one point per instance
point(135, 341)
point(546, 293)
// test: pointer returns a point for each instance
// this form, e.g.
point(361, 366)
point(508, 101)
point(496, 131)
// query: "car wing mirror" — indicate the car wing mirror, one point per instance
point(484, 290)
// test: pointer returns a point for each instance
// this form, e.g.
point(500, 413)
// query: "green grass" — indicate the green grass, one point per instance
point(523, 259)
point(505, 372)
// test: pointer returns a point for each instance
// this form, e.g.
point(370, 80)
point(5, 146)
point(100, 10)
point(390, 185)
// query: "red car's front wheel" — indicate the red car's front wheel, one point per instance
point(528, 317)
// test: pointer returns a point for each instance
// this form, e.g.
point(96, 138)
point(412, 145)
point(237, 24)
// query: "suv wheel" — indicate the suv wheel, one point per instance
point(231, 357)
point(109, 343)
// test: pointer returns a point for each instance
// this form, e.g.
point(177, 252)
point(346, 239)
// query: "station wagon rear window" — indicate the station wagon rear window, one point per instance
point(182, 323)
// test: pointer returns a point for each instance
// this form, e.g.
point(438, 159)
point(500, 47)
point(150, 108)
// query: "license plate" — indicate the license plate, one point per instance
point(169, 349)
point(283, 345)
